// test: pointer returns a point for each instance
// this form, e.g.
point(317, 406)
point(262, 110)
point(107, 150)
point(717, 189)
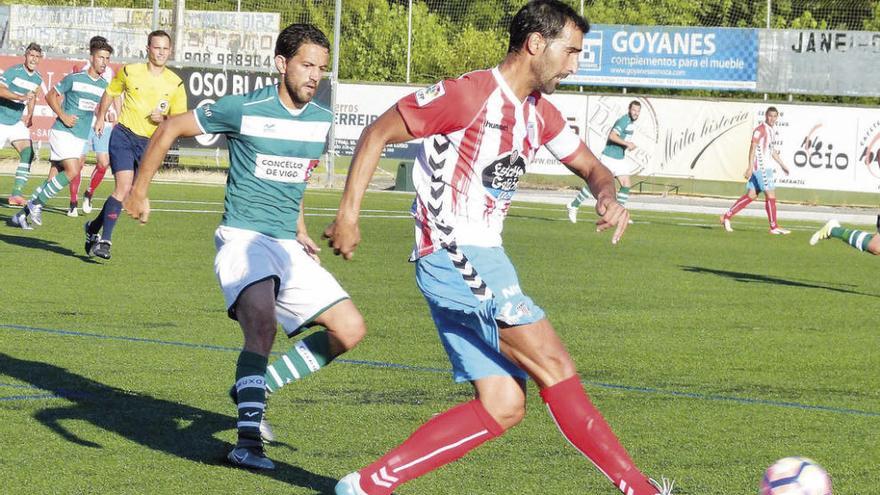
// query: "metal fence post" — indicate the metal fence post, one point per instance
point(334, 88)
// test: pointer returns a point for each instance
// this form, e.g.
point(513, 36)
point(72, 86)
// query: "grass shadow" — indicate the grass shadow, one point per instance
point(153, 423)
point(764, 279)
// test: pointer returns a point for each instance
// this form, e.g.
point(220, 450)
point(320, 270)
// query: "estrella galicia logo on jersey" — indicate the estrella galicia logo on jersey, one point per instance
point(502, 176)
point(819, 154)
point(429, 94)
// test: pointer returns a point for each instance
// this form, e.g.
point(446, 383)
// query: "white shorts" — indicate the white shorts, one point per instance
point(64, 145)
point(618, 166)
point(14, 132)
point(304, 289)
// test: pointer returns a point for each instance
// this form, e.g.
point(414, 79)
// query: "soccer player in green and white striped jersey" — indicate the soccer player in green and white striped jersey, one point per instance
point(19, 86)
point(266, 262)
point(81, 92)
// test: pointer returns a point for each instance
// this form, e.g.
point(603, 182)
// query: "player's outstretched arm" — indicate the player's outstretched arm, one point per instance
point(101, 112)
point(601, 182)
point(184, 125)
point(344, 234)
point(7, 94)
point(53, 99)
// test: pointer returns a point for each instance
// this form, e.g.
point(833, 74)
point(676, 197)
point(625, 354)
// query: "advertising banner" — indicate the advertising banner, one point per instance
point(357, 106)
point(819, 62)
point(220, 38)
point(668, 57)
point(574, 109)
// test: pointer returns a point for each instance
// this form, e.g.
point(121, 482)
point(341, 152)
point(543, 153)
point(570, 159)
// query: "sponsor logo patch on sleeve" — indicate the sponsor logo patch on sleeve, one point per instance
point(429, 94)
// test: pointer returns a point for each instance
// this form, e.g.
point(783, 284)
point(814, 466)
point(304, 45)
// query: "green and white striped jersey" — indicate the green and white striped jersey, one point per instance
point(18, 80)
point(81, 97)
point(272, 151)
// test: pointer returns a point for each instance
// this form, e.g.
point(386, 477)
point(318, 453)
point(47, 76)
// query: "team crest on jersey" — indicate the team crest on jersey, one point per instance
point(429, 94)
point(502, 176)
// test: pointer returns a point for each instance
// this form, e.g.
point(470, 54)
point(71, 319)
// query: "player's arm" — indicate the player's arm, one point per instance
point(31, 103)
point(302, 234)
point(7, 94)
point(778, 159)
point(601, 182)
point(53, 99)
point(748, 173)
point(615, 138)
point(114, 89)
point(184, 125)
point(390, 128)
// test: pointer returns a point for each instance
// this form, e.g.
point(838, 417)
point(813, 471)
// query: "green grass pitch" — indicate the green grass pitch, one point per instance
point(711, 354)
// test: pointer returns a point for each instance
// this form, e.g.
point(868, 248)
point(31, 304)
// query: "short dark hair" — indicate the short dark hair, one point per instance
point(98, 43)
point(545, 17)
point(296, 35)
point(771, 109)
point(158, 32)
point(634, 103)
point(33, 47)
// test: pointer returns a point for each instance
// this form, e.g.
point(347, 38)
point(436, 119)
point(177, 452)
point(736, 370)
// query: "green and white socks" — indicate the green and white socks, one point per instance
point(23, 171)
point(250, 387)
point(855, 238)
point(584, 194)
point(623, 195)
point(47, 190)
point(304, 358)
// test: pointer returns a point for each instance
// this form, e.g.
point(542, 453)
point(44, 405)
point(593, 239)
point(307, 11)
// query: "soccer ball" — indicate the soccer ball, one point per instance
point(795, 476)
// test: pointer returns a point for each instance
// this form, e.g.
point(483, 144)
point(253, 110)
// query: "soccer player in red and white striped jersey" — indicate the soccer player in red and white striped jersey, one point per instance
point(480, 133)
point(761, 173)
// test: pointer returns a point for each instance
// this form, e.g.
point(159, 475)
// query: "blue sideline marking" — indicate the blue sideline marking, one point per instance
point(374, 364)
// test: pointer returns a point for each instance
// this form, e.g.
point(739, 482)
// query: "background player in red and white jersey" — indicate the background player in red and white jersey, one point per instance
point(761, 172)
point(481, 131)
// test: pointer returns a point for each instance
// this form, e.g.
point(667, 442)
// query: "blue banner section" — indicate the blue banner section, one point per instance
point(668, 57)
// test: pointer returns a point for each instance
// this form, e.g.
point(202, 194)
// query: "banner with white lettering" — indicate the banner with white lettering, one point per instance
point(819, 62)
point(219, 38)
point(668, 57)
point(574, 109)
point(357, 106)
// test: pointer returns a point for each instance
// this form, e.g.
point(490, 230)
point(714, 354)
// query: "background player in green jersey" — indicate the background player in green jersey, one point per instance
point(613, 157)
point(81, 92)
point(266, 262)
point(19, 87)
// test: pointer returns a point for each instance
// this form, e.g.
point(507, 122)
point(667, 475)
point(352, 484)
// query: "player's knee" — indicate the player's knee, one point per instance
point(874, 245)
point(352, 331)
point(508, 410)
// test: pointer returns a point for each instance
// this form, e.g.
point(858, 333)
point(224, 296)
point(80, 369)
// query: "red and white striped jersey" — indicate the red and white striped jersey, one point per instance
point(479, 139)
point(764, 137)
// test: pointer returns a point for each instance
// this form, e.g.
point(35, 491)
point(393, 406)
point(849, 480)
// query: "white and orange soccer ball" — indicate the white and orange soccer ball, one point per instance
point(795, 476)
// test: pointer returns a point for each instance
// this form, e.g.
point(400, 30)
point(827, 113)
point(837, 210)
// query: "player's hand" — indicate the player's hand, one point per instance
point(630, 145)
point(343, 237)
point(748, 175)
point(156, 116)
point(99, 126)
point(137, 206)
point(68, 120)
point(309, 245)
point(612, 214)
point(28, 97)
point(110, 117)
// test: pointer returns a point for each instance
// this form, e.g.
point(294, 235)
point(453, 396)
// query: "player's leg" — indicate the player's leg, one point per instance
point(572, 207)
point(126, 149)
point(742, 202)
point(859, 239)
point(101, 145)
point(769, 188)
point(25, 149)
point(536, 348)
point(469, 333)
point(625, 186)
point(255, 311)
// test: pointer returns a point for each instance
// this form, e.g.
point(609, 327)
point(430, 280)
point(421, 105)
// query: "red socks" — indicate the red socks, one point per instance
point(443, 439)
point(74, 189)
point(97, 177)
point(741, 203)
point(770, 207)
point(582, 425)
